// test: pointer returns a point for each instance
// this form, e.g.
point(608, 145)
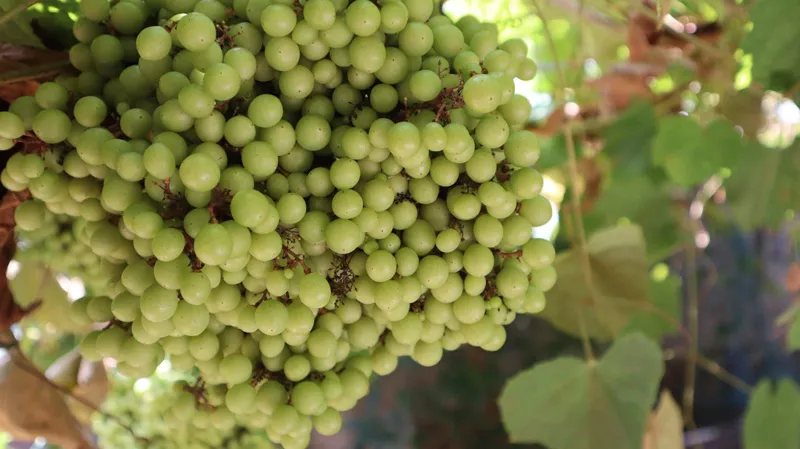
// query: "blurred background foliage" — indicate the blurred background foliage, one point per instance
point(716, 211)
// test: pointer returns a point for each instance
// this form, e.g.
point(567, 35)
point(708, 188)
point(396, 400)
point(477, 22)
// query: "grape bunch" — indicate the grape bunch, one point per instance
point(61, 244)
point(151, 406)
point(289, 195)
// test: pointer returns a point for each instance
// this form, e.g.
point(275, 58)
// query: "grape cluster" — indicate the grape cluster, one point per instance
point(289, 195)
point(61, 244)
point(153, 407)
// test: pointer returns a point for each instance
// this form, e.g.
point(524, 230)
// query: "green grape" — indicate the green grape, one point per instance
point(239, 131)
point(297, 82)
point(51, 126)
point(52, 95)
point(394, 16)
point(95, 10)
point(282, 53)
point(191, 320)
point(320, 14)
point(313, 132)
point(221, 81)
point(381, 266)
point(363, 17)
point(537, 211)
point(347, 204)
point(199, 172)
point(308, 398)
point(367, 53)
point(284, 417)
point(153, 43)
point(158, 303)
point(213, 244)
point(314, 291)
point(196, 32)
point(90, 111)
point(240, 398)
point(296, 368)
point(278, 20)
point(235, 369)
point(521, 148)
point(343, 236)
point(30, 215)
point(291, 208)
point(271, 317)
point(265, 111)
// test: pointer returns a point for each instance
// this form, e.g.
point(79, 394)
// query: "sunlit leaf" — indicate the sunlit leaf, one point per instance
point(568, 403)
point(772, 420)
point(618, 272)
point(661, 317)
point(629, 140)
point(773, 43)
point(16, 28)
point(651, 208)
point(690, 153)
point(763, 189)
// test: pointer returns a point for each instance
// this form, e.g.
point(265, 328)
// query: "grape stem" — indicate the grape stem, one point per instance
point(503, 255)
point(582, 246)
point(198, 390)
point(293, 259)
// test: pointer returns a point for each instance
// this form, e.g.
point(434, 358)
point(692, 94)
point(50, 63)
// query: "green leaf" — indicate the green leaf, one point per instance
point(793, 342)
point(618, 270)
point(629, 139)
point(772, 419)
point(553, 152)
point(650, 208)
point(773, 43)
point(568, 403)
point(691, 154)
point(661, 318)
point(763, 190)
point(15, 28)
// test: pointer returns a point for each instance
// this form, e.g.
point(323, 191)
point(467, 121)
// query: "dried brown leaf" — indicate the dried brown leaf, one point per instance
point(93, 387)
point(792, 279)
point(665, 425)
point(64, 371)
point(30, 407)
point(642, 34)
point(22, 67)
point(10, 311)
point(617, 89)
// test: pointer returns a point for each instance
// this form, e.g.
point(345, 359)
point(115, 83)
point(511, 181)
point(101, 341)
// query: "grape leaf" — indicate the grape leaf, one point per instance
point(650, 208)
point(16, 29)
point(553, 152)
point(662, 317)
point(618, 270)
point(665, 426)
point(772, 419)
point(691, 154)
point(793, 338)
point(629, 139)
point(773, 43)
point(763, 187)
point(568, 403)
